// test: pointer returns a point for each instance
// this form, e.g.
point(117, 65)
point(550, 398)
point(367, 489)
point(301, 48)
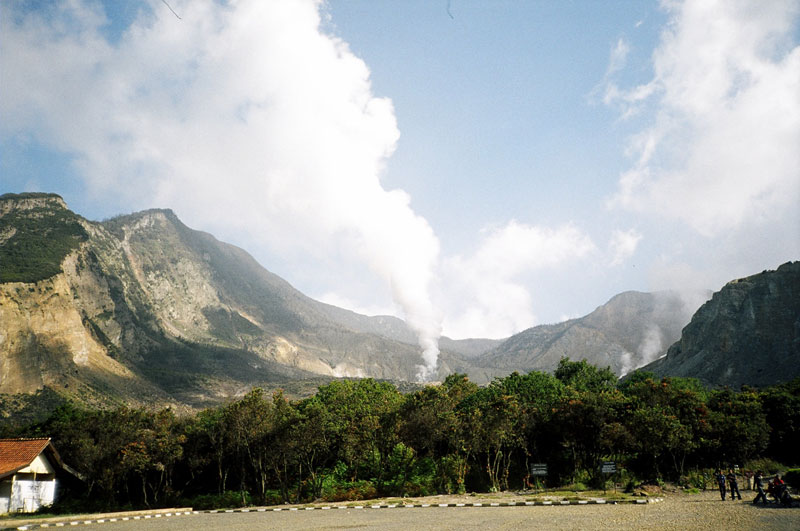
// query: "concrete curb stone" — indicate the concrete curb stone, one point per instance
point(166, 513)
point(56, 522)
point(427, 505)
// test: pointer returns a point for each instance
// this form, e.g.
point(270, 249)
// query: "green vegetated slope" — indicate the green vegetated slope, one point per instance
point(34, 241)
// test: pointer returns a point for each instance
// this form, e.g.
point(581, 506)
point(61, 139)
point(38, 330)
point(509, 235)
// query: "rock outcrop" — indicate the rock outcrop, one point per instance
point(747, 334)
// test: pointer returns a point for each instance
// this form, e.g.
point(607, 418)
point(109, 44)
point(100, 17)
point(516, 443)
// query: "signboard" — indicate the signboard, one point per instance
point(608, 467)
point(539, 469)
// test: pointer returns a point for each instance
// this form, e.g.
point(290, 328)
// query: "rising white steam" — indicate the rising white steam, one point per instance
point(243, 116)
point(649, 350)
point(651, 347)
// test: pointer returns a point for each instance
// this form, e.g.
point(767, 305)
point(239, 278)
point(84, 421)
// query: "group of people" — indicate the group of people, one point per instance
point(732, 484)
point(775, 488)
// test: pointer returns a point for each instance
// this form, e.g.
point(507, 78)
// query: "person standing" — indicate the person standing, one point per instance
point(779, 489)
point(759, 483)
point(720, 477)
point(733, 485)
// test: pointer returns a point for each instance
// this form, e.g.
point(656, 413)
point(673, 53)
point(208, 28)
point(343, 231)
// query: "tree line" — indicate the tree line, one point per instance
point(358, 439)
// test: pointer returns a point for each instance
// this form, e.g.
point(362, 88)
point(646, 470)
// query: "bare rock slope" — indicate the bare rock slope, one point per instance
point(748, 333)
point(141, 308)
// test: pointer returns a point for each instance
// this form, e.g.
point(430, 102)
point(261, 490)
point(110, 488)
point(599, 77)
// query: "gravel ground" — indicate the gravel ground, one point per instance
point(677, 511)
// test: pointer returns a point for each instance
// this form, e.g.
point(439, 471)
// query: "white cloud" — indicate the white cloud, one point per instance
point(488, 293)
point(722, 151)
point(619, 55)
point(628, 101)
point(622, 245)
point(242, 115)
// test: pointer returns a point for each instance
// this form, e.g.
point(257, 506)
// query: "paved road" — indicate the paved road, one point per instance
point(679, 512)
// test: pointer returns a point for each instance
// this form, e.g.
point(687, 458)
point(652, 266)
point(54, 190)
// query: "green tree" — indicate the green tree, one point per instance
point(250, 420)
point(153, 452)
point(582, 376)
point(538, 396)
point(430, 425)
point(590, 427)
point(93, 442)
point(668, 418)
point(492, 417)
point(782, 409)
point(314, 434)
point(365, 415)
point(739, 429)
point(280, 443)
point(208, 445)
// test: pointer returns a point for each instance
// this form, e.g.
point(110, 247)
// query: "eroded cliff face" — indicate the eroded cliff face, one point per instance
point(179, 273)
point(30, 202)
point(41, 333)
point(143, 309)
point(748, 333)
point(45, 341)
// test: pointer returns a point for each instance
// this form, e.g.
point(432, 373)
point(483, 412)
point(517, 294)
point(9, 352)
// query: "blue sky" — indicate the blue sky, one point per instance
point(500, 92)
point(475, 167)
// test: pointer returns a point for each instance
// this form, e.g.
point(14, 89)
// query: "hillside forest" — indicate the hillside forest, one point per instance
point(357, 439)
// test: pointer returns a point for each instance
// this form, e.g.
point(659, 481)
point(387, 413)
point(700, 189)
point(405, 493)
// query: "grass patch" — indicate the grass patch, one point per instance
point(571, 495)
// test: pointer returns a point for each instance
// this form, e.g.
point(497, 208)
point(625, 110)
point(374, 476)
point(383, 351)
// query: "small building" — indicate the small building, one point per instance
point(28, 474)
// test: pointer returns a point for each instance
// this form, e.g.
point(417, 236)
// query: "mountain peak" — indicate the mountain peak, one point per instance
point(37, 231)
point(30, 201)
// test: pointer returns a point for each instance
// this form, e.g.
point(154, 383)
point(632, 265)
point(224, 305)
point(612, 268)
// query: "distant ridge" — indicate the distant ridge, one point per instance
point(631, 329)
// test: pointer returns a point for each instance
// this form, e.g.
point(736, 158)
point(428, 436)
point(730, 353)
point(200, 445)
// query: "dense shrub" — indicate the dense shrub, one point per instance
point(357, 440)
point(349, 491)
point(765, 465)
point(227, 500)
point(696, 479)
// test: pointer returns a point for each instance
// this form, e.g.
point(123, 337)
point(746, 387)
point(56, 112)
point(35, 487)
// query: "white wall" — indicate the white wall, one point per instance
point(29, 495)
point(40, 465)
point(5, 495)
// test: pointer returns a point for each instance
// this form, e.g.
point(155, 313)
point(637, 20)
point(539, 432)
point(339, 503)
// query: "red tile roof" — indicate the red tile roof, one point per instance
point(18, 453)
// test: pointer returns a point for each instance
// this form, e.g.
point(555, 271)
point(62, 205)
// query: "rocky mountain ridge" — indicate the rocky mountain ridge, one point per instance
point(146, 300)
point(143, 309)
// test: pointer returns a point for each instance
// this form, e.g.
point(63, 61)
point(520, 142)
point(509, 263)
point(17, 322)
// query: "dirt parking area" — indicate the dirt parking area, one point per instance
point(676, 511)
